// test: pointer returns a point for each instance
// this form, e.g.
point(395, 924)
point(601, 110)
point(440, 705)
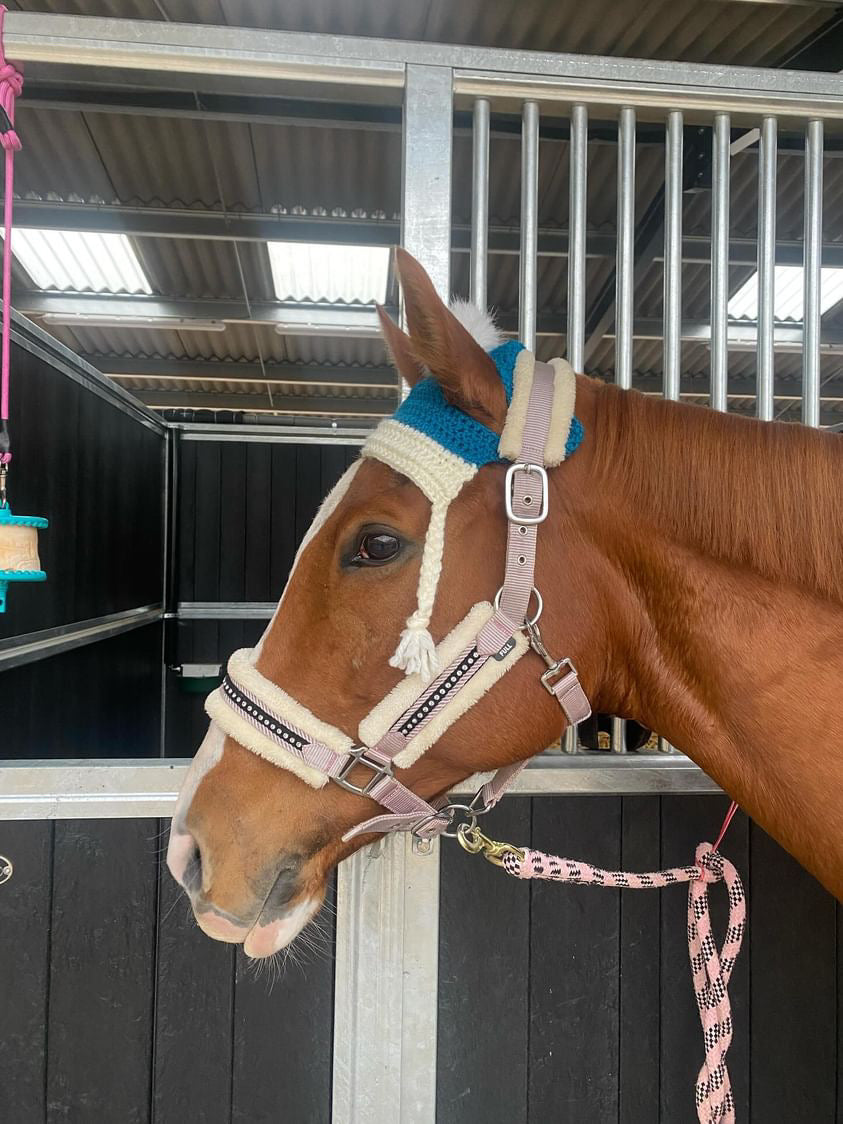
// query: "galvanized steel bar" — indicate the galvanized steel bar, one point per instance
point(15, 651)
point(673, 256)
point(385, 998)
point(578, 185)
point(720, 262)
point(672, 302)
point(624, 292)
point(812, 273)
point(767, 164)
point(480, 202)
point(115, 789)
point(625, 261)
point(190, 49)
point(426, 171)
point(577, 218)
point(225, 610)
point(527, 296)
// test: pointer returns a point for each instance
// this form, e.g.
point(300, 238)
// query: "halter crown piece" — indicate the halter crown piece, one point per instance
point(438, 448)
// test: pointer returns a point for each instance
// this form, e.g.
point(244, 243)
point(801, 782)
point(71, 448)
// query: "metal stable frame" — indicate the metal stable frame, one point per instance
point(386, 964)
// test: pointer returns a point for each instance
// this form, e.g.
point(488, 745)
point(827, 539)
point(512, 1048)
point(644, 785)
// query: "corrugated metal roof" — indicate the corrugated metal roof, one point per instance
point(176, 162)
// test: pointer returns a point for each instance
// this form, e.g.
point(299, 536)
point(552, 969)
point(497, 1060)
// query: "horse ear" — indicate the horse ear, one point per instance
point(468, 377)
point(400, 349)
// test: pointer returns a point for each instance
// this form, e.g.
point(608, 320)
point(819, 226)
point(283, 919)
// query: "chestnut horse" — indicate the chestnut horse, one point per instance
point(692, 568)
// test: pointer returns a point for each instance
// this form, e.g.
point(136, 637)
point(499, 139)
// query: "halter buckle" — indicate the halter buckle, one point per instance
point(555, 672)
point(359, 755)
point(509, 488)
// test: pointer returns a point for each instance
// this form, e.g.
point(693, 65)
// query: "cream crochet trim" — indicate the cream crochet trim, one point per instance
point(404, 694)
point(440, 475)
point(247, 735)
point(561, 415)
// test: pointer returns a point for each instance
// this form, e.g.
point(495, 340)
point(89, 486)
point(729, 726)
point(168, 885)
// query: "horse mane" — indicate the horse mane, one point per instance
point(760, 495)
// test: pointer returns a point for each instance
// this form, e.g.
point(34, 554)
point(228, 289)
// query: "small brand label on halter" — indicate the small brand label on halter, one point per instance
point(506, 649)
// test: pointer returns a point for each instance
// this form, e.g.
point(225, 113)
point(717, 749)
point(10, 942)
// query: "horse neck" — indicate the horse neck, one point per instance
point(725, 610)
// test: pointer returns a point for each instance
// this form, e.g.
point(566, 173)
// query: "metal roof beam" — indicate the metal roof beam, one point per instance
point(352, 320)
point(66, 96)
point(162, 222)
point(298, 404)
point(217, 370)
point(97, 309)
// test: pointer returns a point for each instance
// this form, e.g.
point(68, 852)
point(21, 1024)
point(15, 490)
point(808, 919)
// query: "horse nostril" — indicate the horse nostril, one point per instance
point(191, 879)
point(184, 860)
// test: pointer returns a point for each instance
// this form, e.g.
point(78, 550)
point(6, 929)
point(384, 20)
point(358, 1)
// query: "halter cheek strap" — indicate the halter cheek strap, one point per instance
point(482, 648)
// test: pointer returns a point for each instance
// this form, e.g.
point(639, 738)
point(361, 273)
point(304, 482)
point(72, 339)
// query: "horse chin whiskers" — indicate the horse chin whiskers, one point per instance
point(265, 940)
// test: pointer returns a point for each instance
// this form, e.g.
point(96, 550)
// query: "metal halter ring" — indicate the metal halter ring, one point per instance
point(449, 811)
point(529, 622)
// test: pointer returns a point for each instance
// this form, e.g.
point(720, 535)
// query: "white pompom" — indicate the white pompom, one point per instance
point(416, 653)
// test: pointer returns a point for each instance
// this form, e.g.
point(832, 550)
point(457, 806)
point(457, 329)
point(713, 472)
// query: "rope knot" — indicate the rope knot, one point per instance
point(9, 73)
point(709, 863)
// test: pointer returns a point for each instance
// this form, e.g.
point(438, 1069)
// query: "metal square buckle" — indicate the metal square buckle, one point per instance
point(553, 674)
point(509, 486)
point(356, 756)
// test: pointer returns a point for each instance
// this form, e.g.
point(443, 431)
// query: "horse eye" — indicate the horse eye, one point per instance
point(375, 547)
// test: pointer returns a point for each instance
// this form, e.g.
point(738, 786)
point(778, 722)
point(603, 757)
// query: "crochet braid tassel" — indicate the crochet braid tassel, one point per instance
point(416, 652)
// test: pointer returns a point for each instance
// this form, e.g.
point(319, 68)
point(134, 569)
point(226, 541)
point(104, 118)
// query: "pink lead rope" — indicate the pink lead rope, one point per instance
point(711, 967)
point(11, 84)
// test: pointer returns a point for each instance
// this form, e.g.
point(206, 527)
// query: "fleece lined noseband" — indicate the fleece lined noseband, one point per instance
point(439, 448)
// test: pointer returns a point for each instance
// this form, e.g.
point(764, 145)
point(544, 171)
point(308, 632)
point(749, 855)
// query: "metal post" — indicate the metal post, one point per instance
point(387, 972)
point(529, 222)
point(767, 159)
point(720, 262)
point(673, 256)
point(625, 280)
point(577, 179)
point(480, 202)
point(674, 151)
point(625, 265)
point(385, 1004)
point(426, 171)
point(812, 273)
point(576, 235)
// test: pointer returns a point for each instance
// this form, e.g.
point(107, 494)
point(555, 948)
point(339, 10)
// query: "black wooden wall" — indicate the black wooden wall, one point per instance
point(570, 1004)
point(574, 1003)
point(97, 473)
point(243, 507)
point(96, 470)
point(116, 1009)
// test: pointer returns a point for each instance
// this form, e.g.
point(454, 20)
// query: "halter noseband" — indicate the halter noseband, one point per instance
point(473, 656)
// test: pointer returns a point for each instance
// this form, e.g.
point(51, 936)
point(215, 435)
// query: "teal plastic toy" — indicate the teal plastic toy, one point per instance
point(19, 560)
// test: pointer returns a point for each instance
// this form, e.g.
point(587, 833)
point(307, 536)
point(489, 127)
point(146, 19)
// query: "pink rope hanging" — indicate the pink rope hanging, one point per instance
point(711, 968)
point(11, 85)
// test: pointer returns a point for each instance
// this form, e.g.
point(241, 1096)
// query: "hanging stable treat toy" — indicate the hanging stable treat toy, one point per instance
point(19, 560)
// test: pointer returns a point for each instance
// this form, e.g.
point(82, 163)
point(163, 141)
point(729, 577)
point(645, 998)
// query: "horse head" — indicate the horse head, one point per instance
point(392, 584)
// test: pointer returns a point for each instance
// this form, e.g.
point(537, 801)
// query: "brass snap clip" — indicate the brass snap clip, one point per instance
point(472, 839)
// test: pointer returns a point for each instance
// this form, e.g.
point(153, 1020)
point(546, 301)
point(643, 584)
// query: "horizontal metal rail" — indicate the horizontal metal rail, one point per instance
point(270, 434)
point(225, 610)
point(93, 789)
point(239, 226)
point(478, 71)
point(549, 323)
point(31, 646)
